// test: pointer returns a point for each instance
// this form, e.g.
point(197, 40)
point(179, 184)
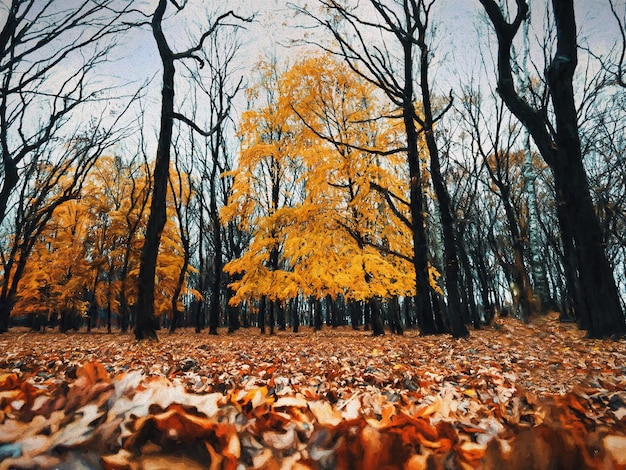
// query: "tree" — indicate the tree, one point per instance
point(48, 184)
point(355, 190)
point(352, 194)
point(88, 252)
point(213, 159)
point(266, 180)
point(145, 323)
point(407, 23)
point(494, 136)
point(589, 274)
point(40, 40)
point(52, 288)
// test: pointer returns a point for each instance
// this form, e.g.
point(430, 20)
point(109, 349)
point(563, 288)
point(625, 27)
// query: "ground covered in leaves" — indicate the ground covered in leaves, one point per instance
point(516, 396)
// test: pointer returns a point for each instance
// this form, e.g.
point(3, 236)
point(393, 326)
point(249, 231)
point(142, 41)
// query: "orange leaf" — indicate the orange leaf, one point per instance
point(93, 371)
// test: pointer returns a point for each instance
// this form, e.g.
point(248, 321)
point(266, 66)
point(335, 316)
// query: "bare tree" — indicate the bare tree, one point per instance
point(494, 137)
point(145, 322)
point(588, 271)
point(220, 92)
point(46, 55)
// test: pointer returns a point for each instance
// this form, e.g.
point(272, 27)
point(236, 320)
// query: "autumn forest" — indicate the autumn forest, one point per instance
point(343, 176)
point(367, 178)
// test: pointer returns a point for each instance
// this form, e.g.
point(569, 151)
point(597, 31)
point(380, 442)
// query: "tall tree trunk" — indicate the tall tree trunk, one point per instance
point(145, 321)
point(600, 298)
point(537, 266)
point(541, 292)
point(451, 261)
point(423, 297)
point(218, 264)
point(202, 273)
point(596, 296)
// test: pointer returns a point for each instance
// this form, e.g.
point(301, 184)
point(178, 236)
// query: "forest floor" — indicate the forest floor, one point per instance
point(515, 396)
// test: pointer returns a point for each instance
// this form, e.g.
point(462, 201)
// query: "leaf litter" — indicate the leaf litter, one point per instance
point(516, 396)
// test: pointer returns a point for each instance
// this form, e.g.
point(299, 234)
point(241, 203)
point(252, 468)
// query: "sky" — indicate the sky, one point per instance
point(458, 21)
point(275, 25)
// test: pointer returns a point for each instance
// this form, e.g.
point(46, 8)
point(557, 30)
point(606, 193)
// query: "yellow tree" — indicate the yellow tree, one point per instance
point(355, 183)
point(266, 180)
point(87, 258)
point(119, 195)
point(348, 234)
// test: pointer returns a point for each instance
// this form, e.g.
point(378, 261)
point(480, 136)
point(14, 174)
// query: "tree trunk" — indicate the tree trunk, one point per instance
point(376, 317)
point(356, 312)
point(5, 312)
point(519, 271)
point(145, 321)
point(317, 319)
point(423, 297)
point(596, 296)
point(280, 317)
point(262, 309)
point(451, 262)
point(271, 317)
point(469, 287)
point(216, 282)
point(295, 317)
point(395, 322)
point(537, 266)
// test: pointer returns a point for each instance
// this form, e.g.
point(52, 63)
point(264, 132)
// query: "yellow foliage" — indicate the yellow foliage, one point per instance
point(89, 240)
point(329, 215)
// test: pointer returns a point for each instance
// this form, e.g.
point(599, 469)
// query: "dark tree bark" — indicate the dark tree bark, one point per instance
point(318, 321)
point(376, 317)
point(262, 313)
point(395, 322)
point(145, 321)
point(421, 16)
point(216, 233)
point(295, 316)
point(356, 313)
point(280, 317)
point(425, 296)
point(598, 307)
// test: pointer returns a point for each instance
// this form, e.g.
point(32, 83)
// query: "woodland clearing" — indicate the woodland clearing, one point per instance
point(516, 396)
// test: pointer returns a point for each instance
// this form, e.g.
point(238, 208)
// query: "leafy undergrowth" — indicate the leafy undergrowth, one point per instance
point(516, 397)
